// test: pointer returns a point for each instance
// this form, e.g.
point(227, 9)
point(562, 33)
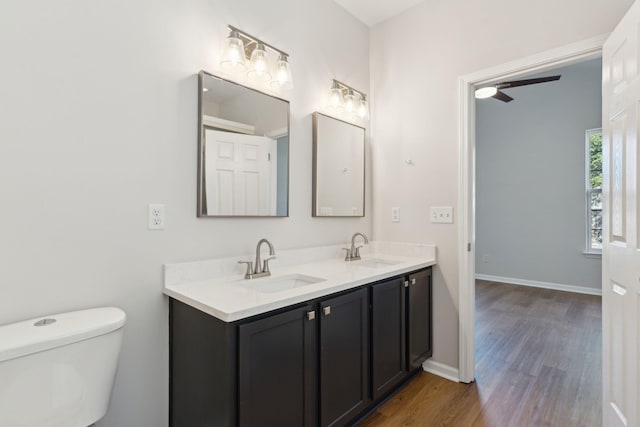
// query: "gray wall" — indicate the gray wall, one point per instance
point(530, 160)
point(118, 82)
point(417, 59)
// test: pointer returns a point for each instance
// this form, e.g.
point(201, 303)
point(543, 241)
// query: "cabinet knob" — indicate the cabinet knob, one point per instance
point(413, 281)
point(326, 310)
point(311, 315)
point(406, 283)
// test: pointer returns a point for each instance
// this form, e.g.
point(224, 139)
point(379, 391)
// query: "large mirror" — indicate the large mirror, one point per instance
point(243, 150)
point(338, 167)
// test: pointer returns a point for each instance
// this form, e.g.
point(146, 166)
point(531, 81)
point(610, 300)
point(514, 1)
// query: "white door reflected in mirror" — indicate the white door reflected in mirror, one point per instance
point(241, 174)
point(243, 150)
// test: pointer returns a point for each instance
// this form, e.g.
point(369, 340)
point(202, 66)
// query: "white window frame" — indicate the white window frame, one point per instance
point(588, 193)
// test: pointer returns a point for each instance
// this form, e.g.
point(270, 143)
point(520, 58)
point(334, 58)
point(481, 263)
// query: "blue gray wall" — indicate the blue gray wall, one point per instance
point(530, 159)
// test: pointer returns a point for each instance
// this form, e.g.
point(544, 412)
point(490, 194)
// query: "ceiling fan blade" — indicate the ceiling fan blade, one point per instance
point(503, 97)
point(516, 83)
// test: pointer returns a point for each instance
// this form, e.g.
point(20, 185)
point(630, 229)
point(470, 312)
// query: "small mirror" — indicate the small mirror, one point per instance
point(243, 150)
point(338, 167)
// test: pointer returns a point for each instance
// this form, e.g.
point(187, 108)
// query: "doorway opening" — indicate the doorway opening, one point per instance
point(539, 63)
point(538, 181)
point(531, 242)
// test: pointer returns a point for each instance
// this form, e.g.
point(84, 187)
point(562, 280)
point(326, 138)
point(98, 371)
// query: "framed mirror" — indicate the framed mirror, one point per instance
point(243, 151)
point(338, 168)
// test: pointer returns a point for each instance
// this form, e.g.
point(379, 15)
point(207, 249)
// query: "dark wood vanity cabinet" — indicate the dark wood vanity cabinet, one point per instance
point(419, 317)
point(325, 362)
point(401, 329)
point(388, 335)
point(344, 357)
point(277, 370)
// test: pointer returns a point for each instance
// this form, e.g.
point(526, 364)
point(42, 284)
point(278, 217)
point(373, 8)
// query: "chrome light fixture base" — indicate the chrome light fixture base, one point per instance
point(244, 52)
point(347, 101)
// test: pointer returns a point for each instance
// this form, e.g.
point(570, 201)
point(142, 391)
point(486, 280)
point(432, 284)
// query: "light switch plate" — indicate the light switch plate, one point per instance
point(443, 214)
point(395, 214)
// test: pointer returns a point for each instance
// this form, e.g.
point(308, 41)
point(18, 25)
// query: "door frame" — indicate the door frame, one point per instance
point(566, 55)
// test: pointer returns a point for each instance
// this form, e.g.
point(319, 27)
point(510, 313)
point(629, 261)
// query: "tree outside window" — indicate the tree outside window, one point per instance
point(594, 190)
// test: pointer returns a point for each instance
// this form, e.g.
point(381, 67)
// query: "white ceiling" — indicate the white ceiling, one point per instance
point(372, 12)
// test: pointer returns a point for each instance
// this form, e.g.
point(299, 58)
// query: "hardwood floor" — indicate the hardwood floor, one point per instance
point(538, 363)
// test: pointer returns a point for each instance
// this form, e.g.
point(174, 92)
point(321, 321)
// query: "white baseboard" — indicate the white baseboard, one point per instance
point(537, 284)
point(441, 370)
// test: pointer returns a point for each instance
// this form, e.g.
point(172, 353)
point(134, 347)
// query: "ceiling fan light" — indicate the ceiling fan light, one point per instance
point(486, 92)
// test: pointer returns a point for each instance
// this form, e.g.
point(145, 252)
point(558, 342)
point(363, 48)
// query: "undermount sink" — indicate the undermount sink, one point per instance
point(271, 285)
point(375, 263)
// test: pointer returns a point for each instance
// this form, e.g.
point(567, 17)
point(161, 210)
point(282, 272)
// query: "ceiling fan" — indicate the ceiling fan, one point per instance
point(495, 91)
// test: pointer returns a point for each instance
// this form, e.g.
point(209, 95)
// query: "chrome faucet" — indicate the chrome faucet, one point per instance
point(353, 253)
point(259, 270)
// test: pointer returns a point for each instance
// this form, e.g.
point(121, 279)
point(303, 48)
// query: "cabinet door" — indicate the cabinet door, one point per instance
point(419, 317)
point(343, 357)
point(277, 370)
point(388, 335)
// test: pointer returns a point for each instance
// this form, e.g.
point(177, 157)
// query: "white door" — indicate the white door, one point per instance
point(239, 174)
point(620, 253)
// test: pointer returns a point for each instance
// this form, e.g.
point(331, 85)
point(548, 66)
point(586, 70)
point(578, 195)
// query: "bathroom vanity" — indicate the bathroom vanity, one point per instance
point(292, 350)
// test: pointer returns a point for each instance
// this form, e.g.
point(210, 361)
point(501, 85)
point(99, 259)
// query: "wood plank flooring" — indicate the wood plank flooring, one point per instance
point(538, 363)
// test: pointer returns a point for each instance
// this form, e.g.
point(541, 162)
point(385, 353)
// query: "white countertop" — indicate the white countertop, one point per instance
point(224, 297)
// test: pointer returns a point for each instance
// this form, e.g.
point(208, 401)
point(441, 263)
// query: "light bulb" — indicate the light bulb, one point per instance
point(335, 97)
point(334, 101)
point(363, 108)
point(258, 69)
point(283, 73)
point(349, 102)
point(233, 55)
point(486, 92)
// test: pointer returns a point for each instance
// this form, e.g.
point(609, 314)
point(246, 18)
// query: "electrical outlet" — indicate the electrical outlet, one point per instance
point(485, 258)
point(395, 214)
point(156, 217)
point(442, 215)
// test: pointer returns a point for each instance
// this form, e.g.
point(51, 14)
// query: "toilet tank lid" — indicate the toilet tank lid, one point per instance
point(23, 338)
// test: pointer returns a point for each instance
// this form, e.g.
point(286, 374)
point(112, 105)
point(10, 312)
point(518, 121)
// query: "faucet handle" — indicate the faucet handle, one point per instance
point(347, 256)
point(357, 254)
point(249, 272)
point(265, 264)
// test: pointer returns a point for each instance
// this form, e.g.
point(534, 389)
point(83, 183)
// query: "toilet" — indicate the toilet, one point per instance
point(59, 370)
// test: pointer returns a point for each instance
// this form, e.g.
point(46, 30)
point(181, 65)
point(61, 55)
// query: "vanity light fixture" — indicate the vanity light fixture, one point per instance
point(262, 62)
point(345, 100)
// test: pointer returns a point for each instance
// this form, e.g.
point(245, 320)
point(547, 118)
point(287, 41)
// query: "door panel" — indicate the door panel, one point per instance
point(344, 357)
point(620, 255)
point(238, 174)
point(388, 335)
point(419, 318)
point(277, 365)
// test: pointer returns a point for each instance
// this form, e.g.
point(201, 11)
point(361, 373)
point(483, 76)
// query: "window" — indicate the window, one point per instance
point(594, 190)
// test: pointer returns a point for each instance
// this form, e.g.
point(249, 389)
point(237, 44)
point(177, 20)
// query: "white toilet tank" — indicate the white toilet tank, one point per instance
point(58, 371)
